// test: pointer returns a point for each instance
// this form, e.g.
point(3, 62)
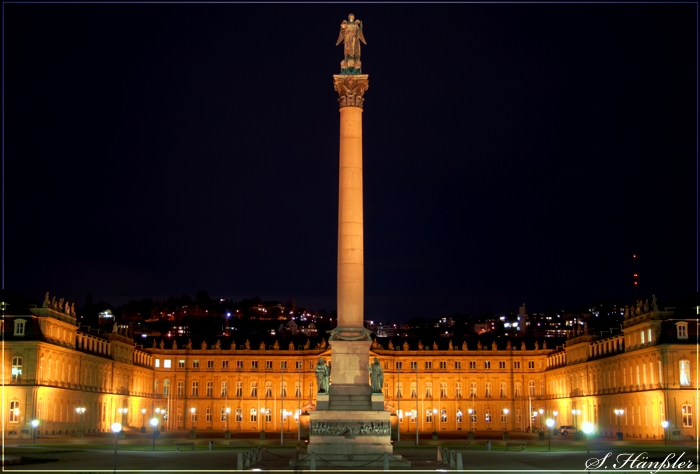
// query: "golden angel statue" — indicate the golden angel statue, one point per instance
point(351, 35)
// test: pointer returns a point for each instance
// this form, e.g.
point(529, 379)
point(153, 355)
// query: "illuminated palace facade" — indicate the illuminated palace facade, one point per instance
point(51, 368)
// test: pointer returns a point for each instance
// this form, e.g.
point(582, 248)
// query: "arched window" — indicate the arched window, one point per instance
point(488, 415)
point(502, 392)
point(268, 389)
point(518, 389)
point(239, 414)
point(472, 390)
point(253, 415)
point(414, 390)
point(443, 416)
point(428, 390)
point(487, 390)
point(531, 388)
point(166, 387)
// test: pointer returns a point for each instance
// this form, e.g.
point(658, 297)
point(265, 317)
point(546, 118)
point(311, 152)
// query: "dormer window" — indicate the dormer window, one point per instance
point(682, 330)
point(20, 324)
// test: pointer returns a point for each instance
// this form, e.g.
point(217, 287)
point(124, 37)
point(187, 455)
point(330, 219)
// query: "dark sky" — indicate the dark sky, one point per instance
point(512, 153)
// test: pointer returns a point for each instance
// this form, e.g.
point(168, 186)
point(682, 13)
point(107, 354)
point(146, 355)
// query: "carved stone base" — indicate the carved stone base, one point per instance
point(350, 432)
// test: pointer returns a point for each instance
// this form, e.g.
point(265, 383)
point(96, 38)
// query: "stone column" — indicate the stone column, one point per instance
point(350, 341)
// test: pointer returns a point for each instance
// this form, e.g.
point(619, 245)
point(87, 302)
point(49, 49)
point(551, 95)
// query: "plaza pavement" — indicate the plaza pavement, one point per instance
point(95, 453)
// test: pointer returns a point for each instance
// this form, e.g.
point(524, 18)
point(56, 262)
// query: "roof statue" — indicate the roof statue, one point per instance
point(351, 35)
point(307, 344)
point(464, 345)
point(494, 347)
point(203, 345)
point(46, 302)
point(405, 345)
point(291, 345)
point(420, 345)
point(654, 304)
point(450, 346)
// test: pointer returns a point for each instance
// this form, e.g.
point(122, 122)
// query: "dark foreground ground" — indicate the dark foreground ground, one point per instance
point(213, 453)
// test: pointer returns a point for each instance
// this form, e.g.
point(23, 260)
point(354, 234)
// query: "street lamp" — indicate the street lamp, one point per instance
point(35, 423)
point(227, 435)
point(116, 428)
point(193, 410)
point(414, 413)
point(143, 419)
point(471, 421)
point(555, 413)
point(541, 413)
point(575, 414)
point(619, 413)
point(123, 411)
point(505, 419)
point(587, 429)
point(664, 425)
point(434, 416)
point(80, 411)
point(154, 424)
point(550, 424)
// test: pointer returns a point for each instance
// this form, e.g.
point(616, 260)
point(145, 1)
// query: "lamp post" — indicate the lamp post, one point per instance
point(505, 419)
point(664, 425)
point(555, 413)
point(35, 423)
point(541, 413)
point(116, 429)
point(398, 402)
point(618, 414)
point(154, 424)
point(80, 411)
point(227, 434)
point(435, 434)
point(193, 410)
point(415, 416)
point(123, 412)
point(550, 424)
point(471, 423)
point(587, 429)
point(143, 420)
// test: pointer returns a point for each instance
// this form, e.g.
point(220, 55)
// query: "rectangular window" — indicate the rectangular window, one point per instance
point(428, 390)
point(443, 389)
point(157, 363)
point(501, 364)
point(268, 365)
point(443, 364)
point(642, 337)
point(298, 365)
point(487, 389)
point(14, 411)
point(193, 415)
point(472, 390)
point(268, 389)
point(685, 372)
point(488, 415)
point(687, 411)
point(195, 389)
point(268, 416)
point(312, 364)
point(428, 365)
point(239, 389)
point(254, 389)
point(17, 369)
point(412, 418)
point(208, 414)
point(166, 387)
point(458, 390)
point(239, 415)
point(458, 365)
point(224, 389)
point(414, 365)
point(399, 365)
point(210, 364)
point(518, 389)
point(253, 415)
point(502, 390)
point(210, 389)
point(516, 364)
point(472, 364)
point(443, 416)
point(181, 389)
point(682, 330)
point(283, 365)
point(223, 413)
point(254, 364)
point(530, 364)
point(239, 364)
point(167, 363)
point(649, 334)
point(181, 364)
point(224, 364)
point(487, 364)
point(473, 415)
point(518, 416)
point(459, 416)
point(179, 415)
point(19, 328)
point(428, 416)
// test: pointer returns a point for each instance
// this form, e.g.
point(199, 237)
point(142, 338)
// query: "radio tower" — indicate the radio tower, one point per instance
point(635, 276)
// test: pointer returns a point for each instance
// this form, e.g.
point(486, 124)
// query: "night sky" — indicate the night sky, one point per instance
point(512, 153)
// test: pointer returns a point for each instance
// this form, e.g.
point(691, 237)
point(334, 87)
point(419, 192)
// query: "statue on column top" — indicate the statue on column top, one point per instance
point(351, 35)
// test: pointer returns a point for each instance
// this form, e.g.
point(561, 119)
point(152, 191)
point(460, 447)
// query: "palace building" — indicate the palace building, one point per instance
point(51, 367)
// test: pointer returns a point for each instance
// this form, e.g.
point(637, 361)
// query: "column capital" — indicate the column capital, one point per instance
point(351, 89)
